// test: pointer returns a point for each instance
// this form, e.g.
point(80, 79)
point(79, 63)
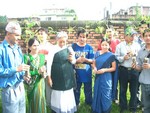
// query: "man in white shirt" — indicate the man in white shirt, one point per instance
point(125, 51)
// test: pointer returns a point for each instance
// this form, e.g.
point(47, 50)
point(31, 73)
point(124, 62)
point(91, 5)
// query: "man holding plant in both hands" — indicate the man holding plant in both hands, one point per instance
point(143, 65)
point(125, 51)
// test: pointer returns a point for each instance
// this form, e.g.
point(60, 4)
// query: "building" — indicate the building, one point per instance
point(57, 14)
point(131, 12)
point(143, 10)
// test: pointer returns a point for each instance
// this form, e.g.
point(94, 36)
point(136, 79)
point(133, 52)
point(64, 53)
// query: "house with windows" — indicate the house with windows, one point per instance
point(131, 12)
point(57, 14)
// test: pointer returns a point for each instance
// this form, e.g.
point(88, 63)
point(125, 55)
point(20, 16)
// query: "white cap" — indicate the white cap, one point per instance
point(13, 27)
point(61, 34)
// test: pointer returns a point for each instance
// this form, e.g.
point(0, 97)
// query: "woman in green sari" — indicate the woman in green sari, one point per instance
point(36, 87)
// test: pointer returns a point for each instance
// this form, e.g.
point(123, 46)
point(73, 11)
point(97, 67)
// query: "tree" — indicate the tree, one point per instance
point(28, 28)
point(135, 21)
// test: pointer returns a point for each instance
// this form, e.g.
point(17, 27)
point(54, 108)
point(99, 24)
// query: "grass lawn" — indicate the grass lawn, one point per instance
point(85, 108)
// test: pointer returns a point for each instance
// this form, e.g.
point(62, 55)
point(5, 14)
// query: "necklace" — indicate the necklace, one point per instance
point(35, 61)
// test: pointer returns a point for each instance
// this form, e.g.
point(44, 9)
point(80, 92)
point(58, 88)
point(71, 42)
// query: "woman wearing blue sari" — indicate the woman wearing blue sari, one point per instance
point(103, 65)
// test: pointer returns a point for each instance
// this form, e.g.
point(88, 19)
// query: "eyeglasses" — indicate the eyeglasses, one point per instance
point(146, 30)
point(127, 34)
point(40, 33)
point(14, 34)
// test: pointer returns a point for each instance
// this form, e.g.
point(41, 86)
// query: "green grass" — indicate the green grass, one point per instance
point(85, 108)
point(0, 102)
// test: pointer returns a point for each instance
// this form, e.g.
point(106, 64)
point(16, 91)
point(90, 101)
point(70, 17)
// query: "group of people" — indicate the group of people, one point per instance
point(129, 56)
point(54, 74)
point(131, 68)
point(47, 71)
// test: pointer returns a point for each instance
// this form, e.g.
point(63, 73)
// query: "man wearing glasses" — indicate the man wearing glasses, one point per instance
point(125, 51)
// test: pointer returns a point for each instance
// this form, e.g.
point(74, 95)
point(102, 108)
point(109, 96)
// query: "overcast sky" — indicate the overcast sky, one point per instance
point(85, 9)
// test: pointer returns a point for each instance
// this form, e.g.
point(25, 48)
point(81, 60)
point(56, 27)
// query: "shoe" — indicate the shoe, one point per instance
point(122, 110)
point(139, 105)
point(53, 111)
point(116, 102)
point(78, 106)
point(132, 111)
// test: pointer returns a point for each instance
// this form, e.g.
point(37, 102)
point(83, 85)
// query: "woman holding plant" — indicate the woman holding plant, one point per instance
point(103, 65)
point(37, 72)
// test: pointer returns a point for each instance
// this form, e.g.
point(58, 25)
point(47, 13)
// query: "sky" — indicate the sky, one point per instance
point(85, 9)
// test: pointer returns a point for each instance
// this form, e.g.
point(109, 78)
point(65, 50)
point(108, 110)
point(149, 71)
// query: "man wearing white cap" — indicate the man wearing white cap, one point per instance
point(61, 75)
point(12, 71)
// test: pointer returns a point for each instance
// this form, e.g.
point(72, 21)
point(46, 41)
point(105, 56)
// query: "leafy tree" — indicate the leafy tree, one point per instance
point(135, 21)
point(28, 28)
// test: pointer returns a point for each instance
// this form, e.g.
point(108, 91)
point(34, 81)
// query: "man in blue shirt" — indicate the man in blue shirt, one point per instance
point(84, 54)
point(12, 71)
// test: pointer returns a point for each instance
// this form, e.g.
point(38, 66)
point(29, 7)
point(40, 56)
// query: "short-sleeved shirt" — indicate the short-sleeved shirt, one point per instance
point(83, 70)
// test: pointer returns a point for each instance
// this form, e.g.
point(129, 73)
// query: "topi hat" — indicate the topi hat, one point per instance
point(13, 27)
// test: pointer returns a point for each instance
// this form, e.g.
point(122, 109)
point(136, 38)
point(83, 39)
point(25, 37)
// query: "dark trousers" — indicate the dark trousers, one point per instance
point(87, 92)
point(53, 111)
point(139, 96)
point(128, 76)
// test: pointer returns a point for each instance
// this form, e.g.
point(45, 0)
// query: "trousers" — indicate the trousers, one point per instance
point(13, 99)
